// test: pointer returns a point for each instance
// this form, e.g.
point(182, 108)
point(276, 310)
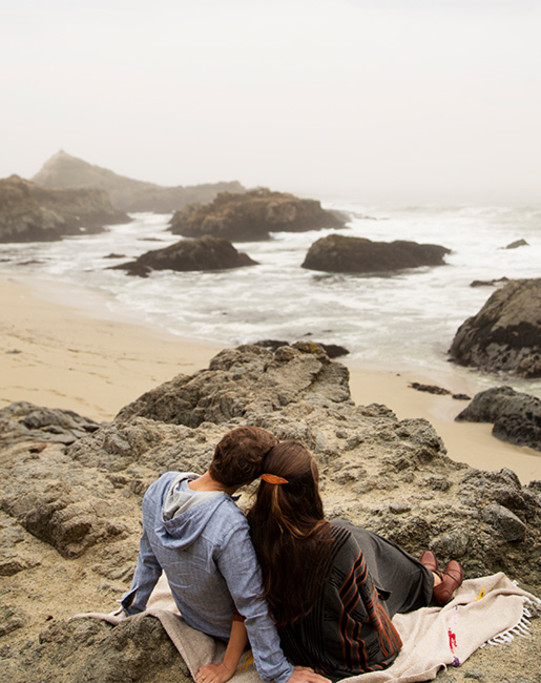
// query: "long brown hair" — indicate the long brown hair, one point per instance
point(290, 535)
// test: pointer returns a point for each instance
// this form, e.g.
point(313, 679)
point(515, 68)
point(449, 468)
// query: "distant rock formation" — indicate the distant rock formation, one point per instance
point(506, 333)
point(65, 171)
point(253, 215)
point(516, 244)
point(30, 213)
point(516, 416)
point(70, 515)
point(206, 253)
point(341, 254)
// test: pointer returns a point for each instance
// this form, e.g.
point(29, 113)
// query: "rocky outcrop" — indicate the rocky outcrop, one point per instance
point(29, 213)
point(206, 253)
point(341, 254)
point(64, 171)
point(70, 515)
point(516, 416)
point(506, 333)
point(252, 216)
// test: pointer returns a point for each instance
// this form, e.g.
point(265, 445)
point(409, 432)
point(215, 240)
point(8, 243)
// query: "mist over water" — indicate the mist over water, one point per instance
point(401, 321)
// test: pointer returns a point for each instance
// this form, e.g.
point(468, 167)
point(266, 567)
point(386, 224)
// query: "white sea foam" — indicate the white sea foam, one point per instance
point(405, 320)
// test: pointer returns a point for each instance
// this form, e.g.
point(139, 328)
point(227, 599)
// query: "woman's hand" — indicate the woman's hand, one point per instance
point(214, 673)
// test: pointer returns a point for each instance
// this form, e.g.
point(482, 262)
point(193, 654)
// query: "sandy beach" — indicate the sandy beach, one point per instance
point(62, 356)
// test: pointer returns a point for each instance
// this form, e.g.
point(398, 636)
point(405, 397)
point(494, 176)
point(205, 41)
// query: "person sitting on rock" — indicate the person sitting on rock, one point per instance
point(332, 587)
point(195, 533)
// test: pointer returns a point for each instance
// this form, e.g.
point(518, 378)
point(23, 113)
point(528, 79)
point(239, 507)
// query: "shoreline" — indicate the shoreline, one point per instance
point(74, 355)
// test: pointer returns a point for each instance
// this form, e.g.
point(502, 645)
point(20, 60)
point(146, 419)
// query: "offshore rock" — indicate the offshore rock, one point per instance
point(63, 171)
point(70, 515)
point(517, 243)
point(30, 213)
point(516, 416)
point(206, 253)
point(253, 215)
point(506, 333)
point(341, 254)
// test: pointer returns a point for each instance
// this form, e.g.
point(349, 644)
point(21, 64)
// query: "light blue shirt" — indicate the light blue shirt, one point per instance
point(207, 555)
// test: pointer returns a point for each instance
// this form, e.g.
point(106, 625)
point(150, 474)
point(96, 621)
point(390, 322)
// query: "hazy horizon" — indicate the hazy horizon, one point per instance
point(371, 100)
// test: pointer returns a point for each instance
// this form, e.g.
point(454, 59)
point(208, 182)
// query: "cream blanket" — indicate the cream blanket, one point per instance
point(433, 637)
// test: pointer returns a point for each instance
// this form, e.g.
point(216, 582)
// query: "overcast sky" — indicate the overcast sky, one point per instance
point(408, 100)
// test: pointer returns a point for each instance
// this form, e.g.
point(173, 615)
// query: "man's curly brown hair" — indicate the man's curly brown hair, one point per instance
point(238, 456)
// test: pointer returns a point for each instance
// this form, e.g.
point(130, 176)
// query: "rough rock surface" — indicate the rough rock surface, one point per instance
point(341, 254)
point(506, 333)
point(516, 416)
point(70, 515)
point(332, 350)
point(64, 171)
point(205, 253)
point(252, 216)
point(30, 213)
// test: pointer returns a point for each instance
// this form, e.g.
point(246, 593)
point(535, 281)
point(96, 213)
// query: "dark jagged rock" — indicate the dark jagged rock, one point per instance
point(341, 254)
point(516, 416)
point(429, 388)
point(252, 216)
point(506, 333)
point(499, 282)
point(332, 350)
point(58, 503)
point(517, 243)
point(206, 253)
point(63, 171)
point(30, 213)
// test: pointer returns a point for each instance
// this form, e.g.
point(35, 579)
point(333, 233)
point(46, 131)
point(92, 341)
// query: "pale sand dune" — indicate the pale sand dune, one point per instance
point(52, 355)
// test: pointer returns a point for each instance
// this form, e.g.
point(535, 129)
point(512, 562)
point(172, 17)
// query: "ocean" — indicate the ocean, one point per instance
point(403, 321)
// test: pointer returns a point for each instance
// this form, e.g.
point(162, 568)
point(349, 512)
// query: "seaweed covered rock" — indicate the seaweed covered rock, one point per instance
point(252, 216)
point(206, 253)
point(505, 335)
point(342, 254)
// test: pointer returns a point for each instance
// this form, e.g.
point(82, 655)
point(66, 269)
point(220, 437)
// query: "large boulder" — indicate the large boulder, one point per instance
point(63, 171)
point(70, 515)
point(341, 254)
point(206, 253)
point(506, 333)
point(29, 213)
point(251, 216)
point(516, 416)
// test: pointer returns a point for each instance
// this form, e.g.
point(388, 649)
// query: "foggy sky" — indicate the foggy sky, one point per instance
point(423, 100)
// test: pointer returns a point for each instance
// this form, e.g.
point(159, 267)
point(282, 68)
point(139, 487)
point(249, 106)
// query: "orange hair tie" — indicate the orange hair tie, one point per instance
point(273, 479)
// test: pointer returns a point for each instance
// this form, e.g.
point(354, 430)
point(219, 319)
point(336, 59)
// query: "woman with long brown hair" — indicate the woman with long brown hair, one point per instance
point(333, 588)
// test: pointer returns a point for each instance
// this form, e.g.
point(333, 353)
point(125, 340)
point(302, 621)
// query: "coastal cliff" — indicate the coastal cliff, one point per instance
point(64, 171)
point(30, 213)
point(72, 490)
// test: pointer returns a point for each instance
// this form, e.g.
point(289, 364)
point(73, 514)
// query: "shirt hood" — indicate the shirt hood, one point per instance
point(184, 513)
